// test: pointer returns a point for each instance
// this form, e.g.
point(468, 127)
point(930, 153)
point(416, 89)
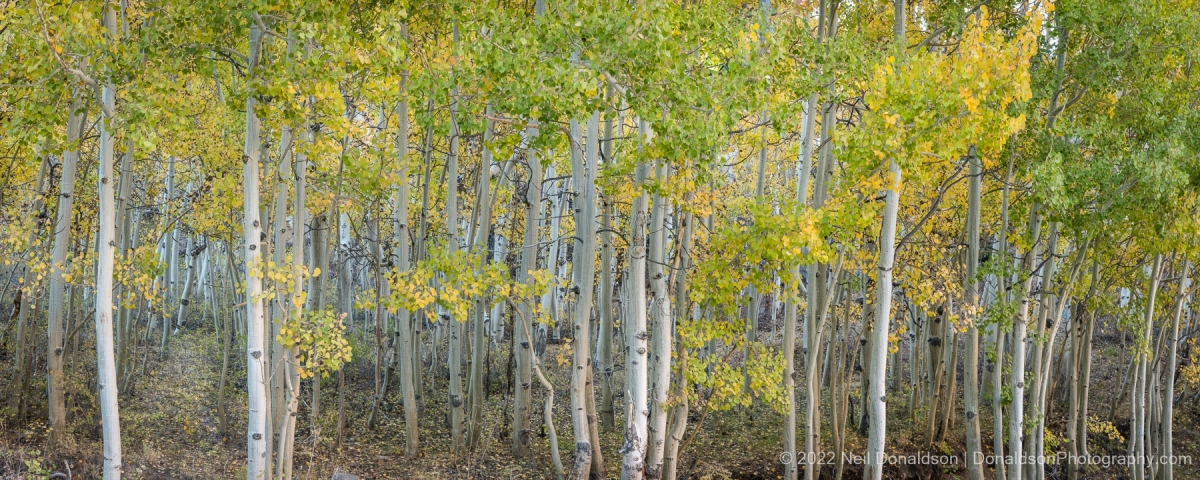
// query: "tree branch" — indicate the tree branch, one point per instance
point(77, 73)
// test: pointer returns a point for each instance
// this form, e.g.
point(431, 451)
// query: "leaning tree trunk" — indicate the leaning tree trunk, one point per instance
point(1033, 438)
point(26, 301)
point(256, 381)
point(679, 412)
point(58, 257)
point(791, 306)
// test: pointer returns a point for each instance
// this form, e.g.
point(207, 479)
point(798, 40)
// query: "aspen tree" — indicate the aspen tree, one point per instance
point(106, 245)
point(402, 251)
point(876, 399)
point(637, 348)
point(62, 241)
point(256, 381)
point(971, 367)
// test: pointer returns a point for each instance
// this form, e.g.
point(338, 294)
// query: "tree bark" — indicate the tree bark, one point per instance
point(879, 336)
point(636, 363)
point(522, 340)
point(454, 359)
point(660, 316)
point(55, 382)
point(1016, 425)
point(971, 382)
point(256, 381)
point(106, 241)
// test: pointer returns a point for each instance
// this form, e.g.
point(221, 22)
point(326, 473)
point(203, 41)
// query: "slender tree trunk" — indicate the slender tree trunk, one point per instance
point(790, 309)
point(817, 296)
point(107, 242)
point(1006, 261)
point(27, 301)
point(660, 315)
point(1139, 420)
point(971, 382)
point(1016, 425)
point(1079, 328)
point(475, 392)
point(55, 381)
point(402, 250)
point(604, 344)
point(522, 341)
point(125, 316)
point(584, 175)
point(256, 381)
point(637, 360)
point(1084, 387)
point(279, 233)
point(290, 365)
point(879, 336)
point(316, 299)
point(1033, 438)
point(226, 343)
point(679, 412)
point(454, 360)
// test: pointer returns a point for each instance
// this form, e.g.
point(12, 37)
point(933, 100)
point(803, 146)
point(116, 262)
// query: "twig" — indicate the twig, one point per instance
point(77, 73)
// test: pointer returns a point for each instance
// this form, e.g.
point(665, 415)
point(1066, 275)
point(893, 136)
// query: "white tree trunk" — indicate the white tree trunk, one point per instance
point(634, 449)
point(483, 215)
point(583, 174)
point(660, 315)
point(58, 257)
point(879, 336)
point(971, 369)
point(402, 250)
point(454, 360)
point(290, 365)
point(522, 340)
point(256, 358)
point(1140, 418)
point(1168, 412)
point(1016, 425)
point(106, 243)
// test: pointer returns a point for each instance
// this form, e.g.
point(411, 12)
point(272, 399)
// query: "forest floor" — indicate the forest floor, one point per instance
point(171, 430)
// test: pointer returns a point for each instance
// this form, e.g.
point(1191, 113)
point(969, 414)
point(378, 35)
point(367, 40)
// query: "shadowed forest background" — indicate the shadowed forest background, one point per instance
point(599, 239)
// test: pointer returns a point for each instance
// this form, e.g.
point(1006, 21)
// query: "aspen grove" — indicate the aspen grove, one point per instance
point(586, 239)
